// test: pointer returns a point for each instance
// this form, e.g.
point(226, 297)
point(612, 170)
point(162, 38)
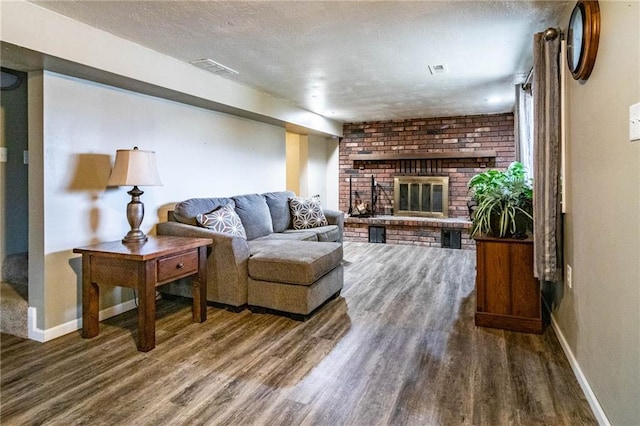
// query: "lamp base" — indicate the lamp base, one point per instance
point(135, 214)
point(135, 237)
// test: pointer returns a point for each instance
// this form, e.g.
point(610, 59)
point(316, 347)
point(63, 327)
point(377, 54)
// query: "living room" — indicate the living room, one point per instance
point(115, 100)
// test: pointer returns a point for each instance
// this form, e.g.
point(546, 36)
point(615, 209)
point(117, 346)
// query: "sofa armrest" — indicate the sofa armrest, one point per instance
point(220, 240)
point(226, 265)
point(335, 217)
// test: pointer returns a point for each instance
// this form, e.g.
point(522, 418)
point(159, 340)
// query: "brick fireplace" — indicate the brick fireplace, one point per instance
point(453, 147)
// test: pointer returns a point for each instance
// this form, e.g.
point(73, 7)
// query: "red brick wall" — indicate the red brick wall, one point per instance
point(467, 133)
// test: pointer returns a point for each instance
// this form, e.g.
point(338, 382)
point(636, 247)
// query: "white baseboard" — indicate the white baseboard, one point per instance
point(40, 335)
point(601, 417)
point(116, 310)
point(33, 332)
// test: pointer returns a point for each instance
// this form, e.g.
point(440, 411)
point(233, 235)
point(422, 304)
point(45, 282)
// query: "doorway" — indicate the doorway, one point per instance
point(14, 202)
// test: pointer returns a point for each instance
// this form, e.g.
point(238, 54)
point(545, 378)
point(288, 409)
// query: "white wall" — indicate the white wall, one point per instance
point(333, 166)
point(600, 316)
point(312, 167)
point(293, 162)
point(200, 153)
point(323, 170)
point(36, 196)
point(303, 166)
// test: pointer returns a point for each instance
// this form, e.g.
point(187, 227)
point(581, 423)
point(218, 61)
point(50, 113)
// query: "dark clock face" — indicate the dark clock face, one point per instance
point(575, 38)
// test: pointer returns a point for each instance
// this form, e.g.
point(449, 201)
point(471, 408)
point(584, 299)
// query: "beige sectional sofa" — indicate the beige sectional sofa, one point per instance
point(275, 267)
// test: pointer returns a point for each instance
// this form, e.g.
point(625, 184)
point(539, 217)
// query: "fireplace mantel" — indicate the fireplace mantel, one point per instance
point(423, 155)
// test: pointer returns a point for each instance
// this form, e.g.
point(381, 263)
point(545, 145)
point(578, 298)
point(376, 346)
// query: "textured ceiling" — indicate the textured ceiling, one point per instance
point(350, 61)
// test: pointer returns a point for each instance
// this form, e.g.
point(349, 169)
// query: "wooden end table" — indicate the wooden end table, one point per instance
point(145, 266)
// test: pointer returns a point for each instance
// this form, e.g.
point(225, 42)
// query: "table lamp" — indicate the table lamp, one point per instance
point(134, 167)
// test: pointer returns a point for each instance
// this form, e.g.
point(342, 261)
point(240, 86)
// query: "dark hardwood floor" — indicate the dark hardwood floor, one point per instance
point(399, 347)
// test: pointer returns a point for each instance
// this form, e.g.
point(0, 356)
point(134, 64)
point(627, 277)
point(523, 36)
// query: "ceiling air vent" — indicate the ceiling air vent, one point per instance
point(213, 66)
point(438, 69)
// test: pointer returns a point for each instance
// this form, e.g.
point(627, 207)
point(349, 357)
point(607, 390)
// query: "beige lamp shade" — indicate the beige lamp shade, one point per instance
point(134, 167)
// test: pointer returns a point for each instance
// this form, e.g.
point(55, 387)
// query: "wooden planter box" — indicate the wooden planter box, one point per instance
point(507, 294)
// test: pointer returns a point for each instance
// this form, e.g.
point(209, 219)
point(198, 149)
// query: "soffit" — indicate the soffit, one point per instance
point(350, 61)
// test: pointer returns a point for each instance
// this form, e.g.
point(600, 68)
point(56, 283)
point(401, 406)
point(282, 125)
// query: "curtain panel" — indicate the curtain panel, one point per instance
point(547, 230)
point(524, 128)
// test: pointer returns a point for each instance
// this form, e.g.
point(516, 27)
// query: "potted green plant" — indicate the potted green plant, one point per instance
point(502, 202)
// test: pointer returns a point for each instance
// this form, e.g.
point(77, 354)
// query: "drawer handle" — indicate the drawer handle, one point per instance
point(180, 265)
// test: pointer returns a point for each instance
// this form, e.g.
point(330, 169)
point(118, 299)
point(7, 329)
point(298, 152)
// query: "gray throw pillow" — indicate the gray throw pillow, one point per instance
point(187, 210)
point(255, 216)
point(278, 203)
point(307, 213)
point(223, 219)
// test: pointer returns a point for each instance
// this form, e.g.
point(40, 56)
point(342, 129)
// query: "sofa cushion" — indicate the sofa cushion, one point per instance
point(224, 219)
point(187, 210)
point(328, 233)
point(306, 213)
point(290, 235)
point(278, 203)
point(254, 214)
point(293, 262)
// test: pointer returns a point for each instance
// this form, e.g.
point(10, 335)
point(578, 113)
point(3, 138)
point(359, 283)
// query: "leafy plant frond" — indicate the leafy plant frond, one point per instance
point(504, 198)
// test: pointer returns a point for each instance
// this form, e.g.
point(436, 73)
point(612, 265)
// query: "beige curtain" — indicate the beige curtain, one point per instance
point(547, 231)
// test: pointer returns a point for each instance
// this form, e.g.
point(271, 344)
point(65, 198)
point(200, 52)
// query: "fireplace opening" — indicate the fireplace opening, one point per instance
point(426, 196)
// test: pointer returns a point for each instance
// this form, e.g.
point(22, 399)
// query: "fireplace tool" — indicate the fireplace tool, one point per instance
point(362, 208)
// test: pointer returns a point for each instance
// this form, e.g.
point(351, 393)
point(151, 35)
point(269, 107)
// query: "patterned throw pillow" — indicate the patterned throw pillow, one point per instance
point(224, 219)
point(306, 213)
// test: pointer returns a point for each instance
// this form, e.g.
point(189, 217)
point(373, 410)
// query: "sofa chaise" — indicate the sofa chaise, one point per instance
point(261, 261)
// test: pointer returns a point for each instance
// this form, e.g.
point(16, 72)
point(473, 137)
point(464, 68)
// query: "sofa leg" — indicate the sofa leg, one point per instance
point(297, 317)
point(258, 309)
point(235, 309)
point(229, 308)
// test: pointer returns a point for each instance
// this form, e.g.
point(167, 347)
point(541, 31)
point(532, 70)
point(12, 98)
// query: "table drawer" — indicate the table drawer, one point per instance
point(178, 265)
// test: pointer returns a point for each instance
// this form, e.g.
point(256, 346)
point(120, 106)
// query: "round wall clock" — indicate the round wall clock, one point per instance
point(583, 35)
